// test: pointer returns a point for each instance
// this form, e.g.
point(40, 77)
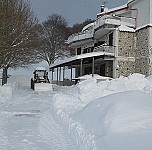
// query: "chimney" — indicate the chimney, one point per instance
point(102, 8)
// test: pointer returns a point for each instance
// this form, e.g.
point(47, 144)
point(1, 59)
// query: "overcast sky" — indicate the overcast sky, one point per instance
point(75, 11)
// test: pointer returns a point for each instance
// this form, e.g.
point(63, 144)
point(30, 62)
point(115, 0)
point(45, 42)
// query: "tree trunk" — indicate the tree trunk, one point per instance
point(4, 76)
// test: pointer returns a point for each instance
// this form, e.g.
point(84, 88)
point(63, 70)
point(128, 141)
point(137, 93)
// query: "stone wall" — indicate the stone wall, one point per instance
point(126, 44)
point(126, 49)
point(109, 69)
point(125, 68)
point(142, 51)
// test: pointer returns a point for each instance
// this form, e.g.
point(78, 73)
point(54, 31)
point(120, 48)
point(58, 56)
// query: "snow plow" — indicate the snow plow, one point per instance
point(40, 81)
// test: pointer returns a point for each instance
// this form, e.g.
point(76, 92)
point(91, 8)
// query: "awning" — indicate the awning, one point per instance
point(79, 57)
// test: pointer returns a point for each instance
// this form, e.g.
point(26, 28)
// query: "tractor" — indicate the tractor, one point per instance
point(40, 76)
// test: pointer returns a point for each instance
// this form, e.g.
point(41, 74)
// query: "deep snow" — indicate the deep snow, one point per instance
point(108, 115)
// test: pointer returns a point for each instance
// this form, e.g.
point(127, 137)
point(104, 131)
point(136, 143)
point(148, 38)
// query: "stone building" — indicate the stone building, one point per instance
point(118, 43)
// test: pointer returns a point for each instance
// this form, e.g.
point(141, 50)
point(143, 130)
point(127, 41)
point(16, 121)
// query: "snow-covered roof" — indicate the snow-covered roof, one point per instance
point(40, 68)
point(130, 1)
point(125, 28)
point(87, 26)
point(82, 56)
point(113, 9)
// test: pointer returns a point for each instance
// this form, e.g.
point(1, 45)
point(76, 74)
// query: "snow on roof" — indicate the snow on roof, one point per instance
point(113, 9)
point(87, 26)
point(125, 28)
point(130, 1)
point(40, 68)
point(82, 56)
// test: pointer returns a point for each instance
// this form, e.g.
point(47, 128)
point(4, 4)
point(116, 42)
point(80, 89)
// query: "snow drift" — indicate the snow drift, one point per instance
point(109, 115)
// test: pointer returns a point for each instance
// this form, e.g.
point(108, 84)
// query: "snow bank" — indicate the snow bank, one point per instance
point(95, 123)
point(120, 121)
point(95, 76)
point(5, 93)
point(148, 88)
point(90, 89)
point(14, 83)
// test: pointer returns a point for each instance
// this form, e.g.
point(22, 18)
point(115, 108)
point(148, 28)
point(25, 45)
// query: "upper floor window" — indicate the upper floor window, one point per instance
point(88, 50)
point(85, 50)
point(101, 43)
point(111, 39)
point(79, 51)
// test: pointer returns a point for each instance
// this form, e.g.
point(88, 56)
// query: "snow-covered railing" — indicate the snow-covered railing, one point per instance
point(105, 48)
point(130, 22)
point(114, 20)
point(81, 36)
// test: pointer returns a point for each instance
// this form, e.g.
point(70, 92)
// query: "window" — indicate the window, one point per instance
point(85, 50)
point(100, 43)
point(111, 39)
point(95, 44)
point(79, 51)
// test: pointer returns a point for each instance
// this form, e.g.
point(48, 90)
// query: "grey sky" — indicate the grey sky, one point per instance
point(75, 11)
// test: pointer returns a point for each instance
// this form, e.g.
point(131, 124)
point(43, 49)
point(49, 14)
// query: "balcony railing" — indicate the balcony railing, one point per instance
point(114, 20)
point(81, 36)
point(103, 48)
point(109, 21)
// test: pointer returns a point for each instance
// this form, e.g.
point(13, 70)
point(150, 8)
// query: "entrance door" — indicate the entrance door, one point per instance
point(102, 70)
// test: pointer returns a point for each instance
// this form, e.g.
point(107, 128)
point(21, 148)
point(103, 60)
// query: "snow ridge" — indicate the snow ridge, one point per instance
point(69, 103)
point(53, 132)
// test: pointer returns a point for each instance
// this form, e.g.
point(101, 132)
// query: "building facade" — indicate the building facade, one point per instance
point(118, 43)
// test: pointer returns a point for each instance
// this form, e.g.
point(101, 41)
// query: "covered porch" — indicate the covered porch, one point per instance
point(100, 63)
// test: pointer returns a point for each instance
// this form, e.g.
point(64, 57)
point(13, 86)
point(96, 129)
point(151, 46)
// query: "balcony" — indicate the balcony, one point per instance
point(99, 28)
point(105, 48)
point(81, 37)
point(114, 21)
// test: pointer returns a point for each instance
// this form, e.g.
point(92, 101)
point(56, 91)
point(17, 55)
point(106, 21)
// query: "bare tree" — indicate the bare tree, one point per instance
point(79, 26)
point(54, 32)
point(17, 35)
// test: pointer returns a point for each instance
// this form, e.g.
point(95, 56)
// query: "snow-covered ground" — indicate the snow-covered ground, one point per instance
point(108, 115)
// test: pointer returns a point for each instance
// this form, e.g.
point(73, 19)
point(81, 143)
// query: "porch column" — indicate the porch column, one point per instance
point(57, 75)
point(71, 72)
point(81, 67)
point(92, 66)
point(60, 74)
point(63, 74)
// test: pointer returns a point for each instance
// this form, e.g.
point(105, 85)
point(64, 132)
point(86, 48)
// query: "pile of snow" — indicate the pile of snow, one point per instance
point(14, 84)
point(148, 87)
point(96, 90)
point(95, 76)
point(5, 93)
point(120, 121)
point(109, 115)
